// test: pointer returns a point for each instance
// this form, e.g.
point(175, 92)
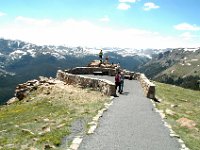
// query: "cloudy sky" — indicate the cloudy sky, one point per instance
point(101, 23)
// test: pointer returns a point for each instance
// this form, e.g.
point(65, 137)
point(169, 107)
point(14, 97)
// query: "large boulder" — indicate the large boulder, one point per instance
point(94, 63)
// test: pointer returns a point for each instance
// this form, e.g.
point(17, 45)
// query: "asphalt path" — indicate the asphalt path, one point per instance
point(131, 123)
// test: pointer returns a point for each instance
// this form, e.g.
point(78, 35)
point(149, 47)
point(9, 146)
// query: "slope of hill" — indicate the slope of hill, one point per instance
point(181, 108)
point(49, 117)
point(179, 66)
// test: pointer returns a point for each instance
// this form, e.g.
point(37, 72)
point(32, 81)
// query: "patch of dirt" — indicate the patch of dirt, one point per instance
point(184, 122)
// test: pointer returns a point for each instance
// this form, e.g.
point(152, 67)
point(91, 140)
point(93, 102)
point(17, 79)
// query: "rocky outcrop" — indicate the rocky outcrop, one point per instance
point(105, 64)
point(22, 90)
point(104, 86)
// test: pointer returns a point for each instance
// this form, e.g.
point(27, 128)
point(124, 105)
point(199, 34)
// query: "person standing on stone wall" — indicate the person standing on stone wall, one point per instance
point(117, 68)
point(101, 56)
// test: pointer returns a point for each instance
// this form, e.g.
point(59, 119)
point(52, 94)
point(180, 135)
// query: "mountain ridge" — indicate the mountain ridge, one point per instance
point(178, 66)
point(21, 61)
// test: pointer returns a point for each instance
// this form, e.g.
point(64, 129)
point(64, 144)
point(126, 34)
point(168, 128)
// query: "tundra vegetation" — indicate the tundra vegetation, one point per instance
point(46, 117)
point(182, 109)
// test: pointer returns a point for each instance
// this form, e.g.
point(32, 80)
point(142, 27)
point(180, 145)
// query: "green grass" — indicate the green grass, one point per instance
point(54, 112)
point(188, 106)
point(185, 70)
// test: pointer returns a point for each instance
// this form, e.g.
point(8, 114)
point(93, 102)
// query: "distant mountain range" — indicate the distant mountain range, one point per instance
point(21, 61)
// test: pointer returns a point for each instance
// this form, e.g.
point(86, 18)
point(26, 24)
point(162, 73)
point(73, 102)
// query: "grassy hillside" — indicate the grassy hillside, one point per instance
point(48, 117)
point(177, 67)
point(187, 66)
point(179, 103)
point(186, 73)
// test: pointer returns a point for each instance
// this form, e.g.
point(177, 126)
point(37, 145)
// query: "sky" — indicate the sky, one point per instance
point(102, 23)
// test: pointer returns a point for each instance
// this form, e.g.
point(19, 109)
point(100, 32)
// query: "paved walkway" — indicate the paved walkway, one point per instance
point(131, 123)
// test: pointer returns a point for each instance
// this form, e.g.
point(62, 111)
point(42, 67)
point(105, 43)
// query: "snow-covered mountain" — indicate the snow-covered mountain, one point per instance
point(12, 50)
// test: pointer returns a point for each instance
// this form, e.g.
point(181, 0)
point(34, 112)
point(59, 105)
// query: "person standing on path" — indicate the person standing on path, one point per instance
point(121, 82)
point(117, 82)
point(101, 56)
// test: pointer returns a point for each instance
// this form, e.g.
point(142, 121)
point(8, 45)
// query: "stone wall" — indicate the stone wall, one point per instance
point(148, 87)
point(104, 86)
point(91, 70)
point(104, 71)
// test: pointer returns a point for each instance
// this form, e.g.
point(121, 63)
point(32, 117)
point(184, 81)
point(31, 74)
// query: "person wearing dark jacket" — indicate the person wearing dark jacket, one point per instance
point(101, 56)
point(117, 81)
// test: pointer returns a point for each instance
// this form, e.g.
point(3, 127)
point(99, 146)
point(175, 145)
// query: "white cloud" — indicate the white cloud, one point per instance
point(31, 21)
point(149, 6)
point(123, 6)
point(84, 33)
point(2, 14)
point(187, 27)
point(128, 1)
point(186, 35)
point(104, 19)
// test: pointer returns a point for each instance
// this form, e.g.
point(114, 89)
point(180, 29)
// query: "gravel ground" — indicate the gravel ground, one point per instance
point(131, 123)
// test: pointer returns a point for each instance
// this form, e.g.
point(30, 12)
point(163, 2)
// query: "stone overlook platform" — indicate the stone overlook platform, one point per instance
point(73, 76)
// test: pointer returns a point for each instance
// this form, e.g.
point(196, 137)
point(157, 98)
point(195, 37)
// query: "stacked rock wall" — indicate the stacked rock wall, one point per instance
point(91, 70)
point(72, 77)
point(104, 86)
point(105, 71)
point(148, 87)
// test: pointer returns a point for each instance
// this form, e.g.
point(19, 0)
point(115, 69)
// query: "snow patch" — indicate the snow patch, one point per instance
point(45, 53)
point(32, 53)
point(191, 49)
point(58, 56)
point(17, 54)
